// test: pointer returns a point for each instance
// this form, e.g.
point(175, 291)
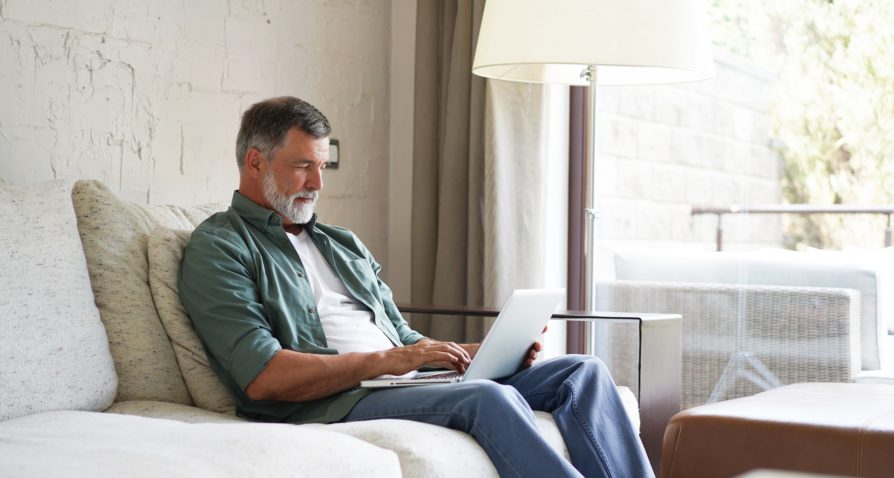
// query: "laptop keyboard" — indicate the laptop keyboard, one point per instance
point(453, 374)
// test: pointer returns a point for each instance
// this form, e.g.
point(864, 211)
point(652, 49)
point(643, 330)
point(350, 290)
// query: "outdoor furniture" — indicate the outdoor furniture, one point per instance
point(742, 339)
point(868, 272)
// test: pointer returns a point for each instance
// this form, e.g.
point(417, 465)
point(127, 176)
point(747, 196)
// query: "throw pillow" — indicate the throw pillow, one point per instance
point(54, 353)
point(165, 251)
point(115, 233)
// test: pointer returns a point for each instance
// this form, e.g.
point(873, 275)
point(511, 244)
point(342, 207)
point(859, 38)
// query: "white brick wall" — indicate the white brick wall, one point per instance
point(146, 95)
point(662, 149)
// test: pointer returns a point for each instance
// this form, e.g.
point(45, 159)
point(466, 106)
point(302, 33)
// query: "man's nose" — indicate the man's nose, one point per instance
point(315, 180)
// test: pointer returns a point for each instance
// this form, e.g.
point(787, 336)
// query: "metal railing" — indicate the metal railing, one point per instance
point(792, 209)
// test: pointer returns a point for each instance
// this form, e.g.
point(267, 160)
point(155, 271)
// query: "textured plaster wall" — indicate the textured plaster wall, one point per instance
point(146, 95)
point(663, 149)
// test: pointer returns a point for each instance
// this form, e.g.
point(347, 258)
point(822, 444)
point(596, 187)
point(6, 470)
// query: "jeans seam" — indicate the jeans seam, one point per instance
point(382, 416)
point(541, 391)
point(583, 423)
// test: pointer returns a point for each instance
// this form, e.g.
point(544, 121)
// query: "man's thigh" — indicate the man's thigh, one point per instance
point(549, 375)
point(449, 405)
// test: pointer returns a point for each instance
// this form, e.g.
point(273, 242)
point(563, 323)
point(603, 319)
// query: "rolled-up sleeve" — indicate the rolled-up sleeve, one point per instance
point(217, 287)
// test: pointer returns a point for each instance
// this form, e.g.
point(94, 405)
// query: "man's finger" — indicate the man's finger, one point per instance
point(458, 356)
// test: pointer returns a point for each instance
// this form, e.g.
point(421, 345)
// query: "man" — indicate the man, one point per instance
point(293, 317)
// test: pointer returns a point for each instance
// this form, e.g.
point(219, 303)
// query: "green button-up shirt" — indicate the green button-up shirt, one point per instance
point(247, 294)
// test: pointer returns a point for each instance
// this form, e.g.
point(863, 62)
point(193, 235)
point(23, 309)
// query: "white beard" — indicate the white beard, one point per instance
point(297, 212)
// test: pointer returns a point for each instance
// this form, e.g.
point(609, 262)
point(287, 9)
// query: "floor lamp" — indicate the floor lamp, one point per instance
point(590, 42)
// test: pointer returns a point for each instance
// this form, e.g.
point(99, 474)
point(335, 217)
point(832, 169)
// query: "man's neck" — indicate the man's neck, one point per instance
point(293, 228)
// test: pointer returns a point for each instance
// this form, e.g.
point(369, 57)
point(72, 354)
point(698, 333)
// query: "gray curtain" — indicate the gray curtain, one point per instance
point(448, 167)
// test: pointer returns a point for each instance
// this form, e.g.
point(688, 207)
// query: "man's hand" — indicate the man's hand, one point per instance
point(533, 351)
point(532, 354)
point(471, 350)
point(401, 360)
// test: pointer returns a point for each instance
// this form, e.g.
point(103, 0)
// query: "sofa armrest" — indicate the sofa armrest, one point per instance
point(657, 355)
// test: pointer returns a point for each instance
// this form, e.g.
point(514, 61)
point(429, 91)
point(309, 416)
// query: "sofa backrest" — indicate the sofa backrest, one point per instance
point(54, 353)
point(862, 272)
point(115, 234)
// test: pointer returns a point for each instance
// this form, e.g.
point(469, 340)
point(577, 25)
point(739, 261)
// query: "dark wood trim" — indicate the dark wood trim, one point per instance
point(463, 311)
point(576, 197)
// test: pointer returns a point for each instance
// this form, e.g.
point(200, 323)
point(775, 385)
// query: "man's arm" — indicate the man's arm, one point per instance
point(296, 376)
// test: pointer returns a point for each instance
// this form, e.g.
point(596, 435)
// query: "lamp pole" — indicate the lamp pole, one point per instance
point(591, 215)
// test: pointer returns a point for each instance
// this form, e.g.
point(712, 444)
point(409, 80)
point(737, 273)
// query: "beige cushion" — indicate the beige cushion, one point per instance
point(172, 411)
point(54, 354)
point(114, 234)
point(458, 454)
point(165, 251)
point(85, 444)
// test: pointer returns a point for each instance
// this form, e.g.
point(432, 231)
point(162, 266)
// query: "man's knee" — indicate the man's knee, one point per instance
point(488, 397)
point(573, 360)
point(491, 392)
point(587, 365)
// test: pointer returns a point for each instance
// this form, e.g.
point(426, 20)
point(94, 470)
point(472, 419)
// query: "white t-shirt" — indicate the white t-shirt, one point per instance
point(347, 324)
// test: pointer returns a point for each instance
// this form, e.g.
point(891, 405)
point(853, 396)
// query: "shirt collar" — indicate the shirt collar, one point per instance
point(261, 217)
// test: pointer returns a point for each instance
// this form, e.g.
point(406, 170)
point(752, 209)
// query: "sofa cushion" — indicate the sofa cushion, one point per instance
point(165, 251)
point(106, 444)
point(458, 453)
point(172, 411)
point(114, 234)
point(54, 354)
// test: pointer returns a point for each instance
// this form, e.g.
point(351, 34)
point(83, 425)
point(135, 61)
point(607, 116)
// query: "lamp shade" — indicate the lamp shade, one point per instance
point(629, 41)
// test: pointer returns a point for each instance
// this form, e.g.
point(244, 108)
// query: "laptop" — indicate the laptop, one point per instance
point(519, 324)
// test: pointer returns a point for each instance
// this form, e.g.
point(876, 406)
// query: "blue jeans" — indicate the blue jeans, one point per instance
point(577, 390)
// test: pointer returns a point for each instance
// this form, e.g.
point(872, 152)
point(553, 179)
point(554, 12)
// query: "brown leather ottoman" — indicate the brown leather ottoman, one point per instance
point(832, 428)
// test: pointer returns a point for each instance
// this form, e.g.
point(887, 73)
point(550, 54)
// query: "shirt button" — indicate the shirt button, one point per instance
point(310, 309)
point(300, 274)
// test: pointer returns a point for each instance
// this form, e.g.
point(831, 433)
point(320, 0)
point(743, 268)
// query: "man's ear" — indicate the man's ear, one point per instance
point(255, 163)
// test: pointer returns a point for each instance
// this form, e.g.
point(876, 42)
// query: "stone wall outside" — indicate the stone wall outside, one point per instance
point(664, 149)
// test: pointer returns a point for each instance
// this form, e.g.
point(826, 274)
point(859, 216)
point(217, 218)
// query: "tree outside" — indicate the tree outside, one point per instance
point(832, 110)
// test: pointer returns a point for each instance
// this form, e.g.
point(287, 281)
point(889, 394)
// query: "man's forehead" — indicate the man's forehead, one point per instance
point(296, 136)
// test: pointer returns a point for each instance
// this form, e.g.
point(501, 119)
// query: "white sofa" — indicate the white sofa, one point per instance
point(101, 376)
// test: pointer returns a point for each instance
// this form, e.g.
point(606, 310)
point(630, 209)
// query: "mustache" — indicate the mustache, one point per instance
point(312, 195)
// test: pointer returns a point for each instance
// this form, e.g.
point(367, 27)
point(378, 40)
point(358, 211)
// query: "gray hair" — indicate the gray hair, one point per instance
point(265, 125)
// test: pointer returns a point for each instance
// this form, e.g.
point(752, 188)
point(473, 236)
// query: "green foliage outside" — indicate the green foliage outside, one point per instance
point(832, 107)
